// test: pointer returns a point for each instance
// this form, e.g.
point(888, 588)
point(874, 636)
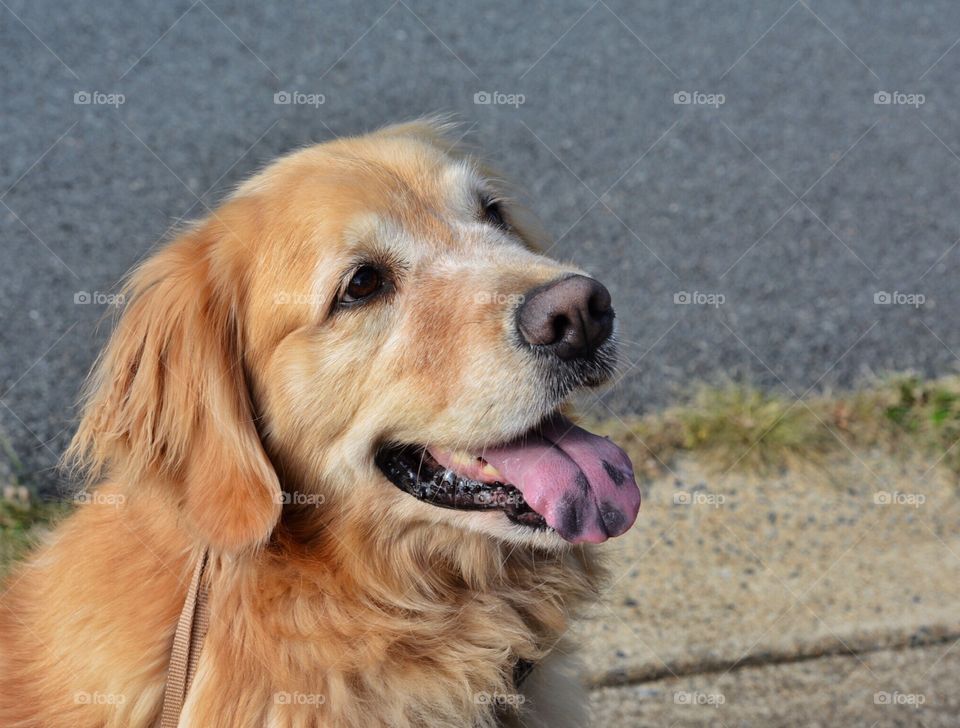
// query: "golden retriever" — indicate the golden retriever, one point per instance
point(344, 385)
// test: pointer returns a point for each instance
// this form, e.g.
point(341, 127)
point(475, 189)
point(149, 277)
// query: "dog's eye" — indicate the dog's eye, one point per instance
point(492, 213)
point(366, 281)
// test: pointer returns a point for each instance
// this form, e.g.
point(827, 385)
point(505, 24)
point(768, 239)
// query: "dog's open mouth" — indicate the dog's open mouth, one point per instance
point(412, 468)
point(556, 475)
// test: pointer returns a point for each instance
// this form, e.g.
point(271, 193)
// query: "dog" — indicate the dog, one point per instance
point(343, 389)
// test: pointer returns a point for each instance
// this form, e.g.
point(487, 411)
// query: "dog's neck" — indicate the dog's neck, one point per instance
point(429, 559)
point(413, 616)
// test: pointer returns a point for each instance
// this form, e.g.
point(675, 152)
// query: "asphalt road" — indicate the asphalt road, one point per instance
point(781, 201)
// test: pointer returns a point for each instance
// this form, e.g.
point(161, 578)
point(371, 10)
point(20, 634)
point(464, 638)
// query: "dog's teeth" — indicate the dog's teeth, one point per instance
point(469, 463)
point(490, 471)
point(449, 476)
point(462, 459)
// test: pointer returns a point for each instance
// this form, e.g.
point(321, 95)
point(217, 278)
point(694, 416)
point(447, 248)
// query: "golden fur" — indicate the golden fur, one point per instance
point(232, 410)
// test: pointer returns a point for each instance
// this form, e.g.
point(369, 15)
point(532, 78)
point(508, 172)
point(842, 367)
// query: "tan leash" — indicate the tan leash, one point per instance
point(187, 644)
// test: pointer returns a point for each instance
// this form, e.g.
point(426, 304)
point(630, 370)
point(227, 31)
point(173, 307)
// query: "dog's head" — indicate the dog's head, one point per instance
point(369, 319)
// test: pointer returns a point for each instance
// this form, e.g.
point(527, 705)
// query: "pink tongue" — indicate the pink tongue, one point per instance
point(581, 483)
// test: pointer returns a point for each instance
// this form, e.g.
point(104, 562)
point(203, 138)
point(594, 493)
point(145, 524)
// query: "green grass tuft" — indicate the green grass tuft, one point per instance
point(740, 427)
point(737, 427)
point(20, 523)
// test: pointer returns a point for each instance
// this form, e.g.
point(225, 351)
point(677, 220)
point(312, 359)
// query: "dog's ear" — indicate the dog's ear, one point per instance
point(168, 402)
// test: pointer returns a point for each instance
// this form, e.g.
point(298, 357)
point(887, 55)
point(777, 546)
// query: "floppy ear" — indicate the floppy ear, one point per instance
point(168, 402)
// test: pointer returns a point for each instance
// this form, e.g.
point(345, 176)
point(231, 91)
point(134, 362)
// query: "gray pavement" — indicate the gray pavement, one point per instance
point(914, 687)
point(697, 198)
point(823, 596)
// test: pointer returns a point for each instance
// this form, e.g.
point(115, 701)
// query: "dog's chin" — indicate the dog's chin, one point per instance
point(496, 526)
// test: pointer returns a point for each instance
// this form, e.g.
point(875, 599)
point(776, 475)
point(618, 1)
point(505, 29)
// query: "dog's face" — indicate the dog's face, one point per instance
point(405, 349)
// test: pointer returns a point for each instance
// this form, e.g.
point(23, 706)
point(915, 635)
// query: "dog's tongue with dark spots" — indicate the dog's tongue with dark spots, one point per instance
point(582, 484)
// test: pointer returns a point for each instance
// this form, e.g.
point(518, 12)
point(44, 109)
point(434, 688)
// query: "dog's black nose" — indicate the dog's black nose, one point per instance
point(572, 316)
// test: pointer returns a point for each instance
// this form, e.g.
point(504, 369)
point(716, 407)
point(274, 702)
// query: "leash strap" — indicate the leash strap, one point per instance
point(187, 644)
